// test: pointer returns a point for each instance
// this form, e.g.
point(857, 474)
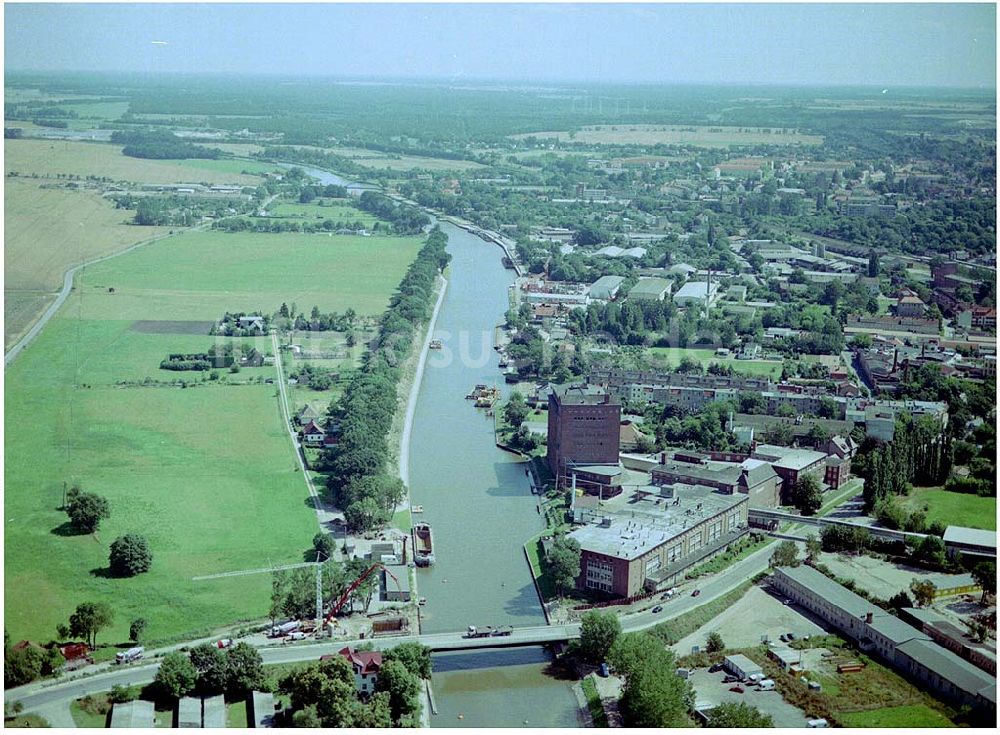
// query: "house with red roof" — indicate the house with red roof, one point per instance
point(366, 666)
point(313, 434)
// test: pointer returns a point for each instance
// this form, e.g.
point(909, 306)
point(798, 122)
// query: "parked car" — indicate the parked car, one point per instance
point(784, 637)
point(695, 593)
point(658, 608)
point(791, 636)
point(737, 689)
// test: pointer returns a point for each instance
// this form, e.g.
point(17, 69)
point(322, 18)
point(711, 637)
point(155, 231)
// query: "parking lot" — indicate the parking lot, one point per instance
point(757, 613)
point(710, 689)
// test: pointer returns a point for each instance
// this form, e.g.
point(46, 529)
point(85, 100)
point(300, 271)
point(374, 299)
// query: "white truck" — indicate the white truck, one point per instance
point(767, 685)
point(285, 628)
point(132, 654)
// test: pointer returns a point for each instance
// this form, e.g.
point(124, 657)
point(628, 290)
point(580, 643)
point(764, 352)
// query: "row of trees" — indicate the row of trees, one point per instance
point(207, 670)
point(357, 480)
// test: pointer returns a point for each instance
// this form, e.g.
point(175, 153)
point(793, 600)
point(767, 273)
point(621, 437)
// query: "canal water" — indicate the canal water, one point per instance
point(478, 501)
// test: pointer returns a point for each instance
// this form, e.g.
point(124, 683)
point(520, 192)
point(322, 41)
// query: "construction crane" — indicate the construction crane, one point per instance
point(339, 604)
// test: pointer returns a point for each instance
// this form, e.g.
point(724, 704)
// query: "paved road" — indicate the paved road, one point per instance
point(37, 327)
point(46, 693)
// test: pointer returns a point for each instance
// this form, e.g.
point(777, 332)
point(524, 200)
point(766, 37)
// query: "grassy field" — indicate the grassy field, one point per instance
point(336, 211)
point(51, 157)
point(697, 135)
point(673, 356)
point(955, 509)
point(906, 716)
point(47, 231)
point(203, 274)
point(229, 165)
point(395, 162)
point(205, 473)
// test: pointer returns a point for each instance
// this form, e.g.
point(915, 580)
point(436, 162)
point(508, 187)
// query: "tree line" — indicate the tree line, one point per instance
point(357, 481)
point(159, 145)
point(405, 220)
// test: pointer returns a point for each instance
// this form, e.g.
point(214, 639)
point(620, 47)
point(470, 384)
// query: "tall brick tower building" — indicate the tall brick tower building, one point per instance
point(583, 428)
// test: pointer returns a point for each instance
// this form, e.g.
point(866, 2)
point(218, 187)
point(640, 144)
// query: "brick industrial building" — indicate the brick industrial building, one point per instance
point(657, 535)
point(583, 428)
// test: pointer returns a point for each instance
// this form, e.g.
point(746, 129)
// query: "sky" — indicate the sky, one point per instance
point(830, 44)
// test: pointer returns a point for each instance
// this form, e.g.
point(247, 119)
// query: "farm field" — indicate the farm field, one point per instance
point(395, 162)
point(697, 135)
point(334, 210)
point(39, 247)
point(205, 472)
point(201, 275)
point(51, 157)
point(674, 355)
point(955, 509)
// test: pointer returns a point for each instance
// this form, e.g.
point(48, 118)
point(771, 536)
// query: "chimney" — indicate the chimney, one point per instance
point(868, 617)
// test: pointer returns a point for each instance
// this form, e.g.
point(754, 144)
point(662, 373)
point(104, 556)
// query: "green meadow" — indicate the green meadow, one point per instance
point(206, 472)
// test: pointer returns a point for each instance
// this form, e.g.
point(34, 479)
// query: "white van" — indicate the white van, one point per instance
point(767, 685)
point(818, 723)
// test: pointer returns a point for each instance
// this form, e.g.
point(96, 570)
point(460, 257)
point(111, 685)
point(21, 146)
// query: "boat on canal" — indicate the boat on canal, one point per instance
point(423, 544)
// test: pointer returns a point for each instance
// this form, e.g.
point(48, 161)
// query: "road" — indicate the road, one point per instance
point(39, 325)
point(47, 694)
point(323, 517)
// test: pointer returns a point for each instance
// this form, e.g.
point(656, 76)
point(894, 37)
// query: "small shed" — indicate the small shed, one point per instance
point(215, 711)
point(189, 712)
point(260, 707)
point(786, 657)
point(740, 666)
point(138, 713)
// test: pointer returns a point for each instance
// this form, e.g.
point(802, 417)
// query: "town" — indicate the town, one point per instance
point(340, 403)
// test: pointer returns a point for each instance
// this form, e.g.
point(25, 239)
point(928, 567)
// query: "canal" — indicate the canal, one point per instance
point(477, 498)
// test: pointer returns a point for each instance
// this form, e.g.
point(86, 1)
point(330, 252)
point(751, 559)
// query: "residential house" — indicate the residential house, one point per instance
point(366, 666)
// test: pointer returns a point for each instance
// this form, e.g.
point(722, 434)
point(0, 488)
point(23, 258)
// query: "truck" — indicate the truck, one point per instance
point(485, 632)
point(224, 643)
point(767, 685)
point(285, 628)
point(132, 654)
point(503, 630)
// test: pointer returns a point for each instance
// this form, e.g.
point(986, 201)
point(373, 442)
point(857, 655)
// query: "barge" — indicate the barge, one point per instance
point(423, 545)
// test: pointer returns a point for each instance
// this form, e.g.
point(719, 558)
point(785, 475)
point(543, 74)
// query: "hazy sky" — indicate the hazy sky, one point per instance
point(881, 44)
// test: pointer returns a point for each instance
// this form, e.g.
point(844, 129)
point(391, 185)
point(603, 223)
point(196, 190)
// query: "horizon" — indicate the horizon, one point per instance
point(933, 46)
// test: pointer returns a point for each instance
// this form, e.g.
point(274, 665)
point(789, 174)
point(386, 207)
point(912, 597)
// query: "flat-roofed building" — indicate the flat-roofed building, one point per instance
point(970, 542)
point(260, 709)
point(655, 536)
point(137, 713)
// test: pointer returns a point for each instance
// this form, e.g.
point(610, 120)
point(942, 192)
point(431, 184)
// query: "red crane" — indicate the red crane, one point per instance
point(353, 586)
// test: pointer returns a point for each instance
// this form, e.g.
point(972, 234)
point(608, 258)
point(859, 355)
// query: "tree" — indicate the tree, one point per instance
point(785, 555)
point(23, 665)
point(245, 670)
point(807, 495)
point(737, 714)
point(516, 410)
point(598, 633)
point(414, 656)
point(402, 688)
point(176, 676)
point(306, 717)
point(714, 643)
point(129, 555)
point(653, 694)
point(137, 629)
point(324, 545)
point(212, 668)
point(923, 592)
point(89, 619)
point(813, 546)
point(364, 515)
point(932, 551)
point(899, 601)
point(985, 575)
point(87, 510)
point(564, 563)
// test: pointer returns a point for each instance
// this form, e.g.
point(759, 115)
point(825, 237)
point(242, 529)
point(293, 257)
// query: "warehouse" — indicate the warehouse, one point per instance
point(658, 533)
point(741, 667)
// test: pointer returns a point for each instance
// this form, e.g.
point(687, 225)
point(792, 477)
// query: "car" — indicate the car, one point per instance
point(791, 636)
point(786, 602)
point(714, 667)
point(297, 635)
point(695, 593)
point(784, 637)
point(658, 608)
point(737, 689)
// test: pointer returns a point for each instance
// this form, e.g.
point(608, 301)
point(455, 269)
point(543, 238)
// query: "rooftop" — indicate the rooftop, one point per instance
point(788, 457)
point(650, 519)
point(947, 665)
point(971, 536)
point(583, 395)
point(650, 287)
point(695, 290)
point(828, 590)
